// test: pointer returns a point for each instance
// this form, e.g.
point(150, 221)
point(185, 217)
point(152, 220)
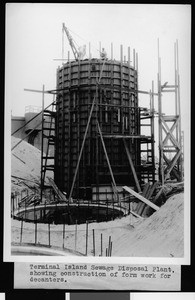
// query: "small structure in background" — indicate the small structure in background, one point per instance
point(29, 127)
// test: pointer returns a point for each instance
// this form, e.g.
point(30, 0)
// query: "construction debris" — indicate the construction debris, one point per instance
point(59, 194)
point(140, 197)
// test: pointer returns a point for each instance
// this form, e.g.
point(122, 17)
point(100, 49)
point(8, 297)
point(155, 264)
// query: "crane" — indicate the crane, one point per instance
point(78, 54)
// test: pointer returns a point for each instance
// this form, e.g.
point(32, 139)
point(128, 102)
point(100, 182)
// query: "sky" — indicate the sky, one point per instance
point(34, 42)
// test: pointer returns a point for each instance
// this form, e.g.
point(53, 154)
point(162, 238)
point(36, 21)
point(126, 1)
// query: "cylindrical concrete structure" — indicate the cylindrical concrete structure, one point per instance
point(117, 111)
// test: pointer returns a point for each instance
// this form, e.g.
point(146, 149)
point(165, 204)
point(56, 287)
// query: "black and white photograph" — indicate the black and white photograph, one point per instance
point(97, 132)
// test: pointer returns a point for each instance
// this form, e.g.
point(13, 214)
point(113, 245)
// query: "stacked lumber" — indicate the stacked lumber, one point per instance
point(153, 196)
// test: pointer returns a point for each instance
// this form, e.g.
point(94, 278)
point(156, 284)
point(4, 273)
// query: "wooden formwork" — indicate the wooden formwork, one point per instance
point(117, 112)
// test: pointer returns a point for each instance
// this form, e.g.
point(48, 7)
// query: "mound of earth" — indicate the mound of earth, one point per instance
point(25, 165)
point(161, 235)
point(26, 160)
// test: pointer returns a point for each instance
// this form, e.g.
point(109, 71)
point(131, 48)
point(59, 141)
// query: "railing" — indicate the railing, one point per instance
point(32, 108)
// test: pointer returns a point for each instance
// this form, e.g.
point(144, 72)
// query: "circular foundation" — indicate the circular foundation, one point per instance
point(69, 214)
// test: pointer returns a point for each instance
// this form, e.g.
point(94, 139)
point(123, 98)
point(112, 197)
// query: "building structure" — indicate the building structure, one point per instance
point(97, 137)
point(29, 127)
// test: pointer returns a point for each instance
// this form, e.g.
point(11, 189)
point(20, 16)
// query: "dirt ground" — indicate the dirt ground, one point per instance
point(160, 235)
point(25, 164)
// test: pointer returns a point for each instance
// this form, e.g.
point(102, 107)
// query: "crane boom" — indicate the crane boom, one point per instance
point(70, 39)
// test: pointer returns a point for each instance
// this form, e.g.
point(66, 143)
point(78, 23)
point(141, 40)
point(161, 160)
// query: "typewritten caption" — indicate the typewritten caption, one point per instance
point(96, 276)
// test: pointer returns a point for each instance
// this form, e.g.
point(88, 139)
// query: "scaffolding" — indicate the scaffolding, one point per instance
point(170, 138)
point(98, 126)
point(48, 134)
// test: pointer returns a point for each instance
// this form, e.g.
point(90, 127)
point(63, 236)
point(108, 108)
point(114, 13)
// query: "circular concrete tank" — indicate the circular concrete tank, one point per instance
point(69, 214)
point(117, 112)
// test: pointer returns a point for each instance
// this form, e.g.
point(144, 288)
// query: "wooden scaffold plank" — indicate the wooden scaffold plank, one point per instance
point(140, 197)
point(132, 166)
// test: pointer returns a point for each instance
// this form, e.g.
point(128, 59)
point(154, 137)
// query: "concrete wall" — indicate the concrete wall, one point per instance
point(16, 123)
point(35, 123)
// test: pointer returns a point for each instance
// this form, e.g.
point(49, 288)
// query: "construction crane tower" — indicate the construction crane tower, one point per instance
point(71, 42)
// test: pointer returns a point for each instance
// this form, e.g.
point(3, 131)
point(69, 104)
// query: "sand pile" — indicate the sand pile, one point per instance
point(162, 234)
point(25, 161)
point(26, 167)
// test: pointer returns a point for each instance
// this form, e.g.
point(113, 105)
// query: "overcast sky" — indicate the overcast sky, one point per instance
point(34, 40)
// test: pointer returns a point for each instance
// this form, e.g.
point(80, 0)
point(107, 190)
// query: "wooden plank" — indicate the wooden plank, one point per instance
point(40, 91)
point(111, 51)
point(148, 196)
point(169, 133)
point(145, 92)
point(152, 190)
point(141, 205)
point(129, 58)
point(134, 58)
point(140, 197)
point(173, 171)
point(115, 192)
point(168, 91)
point(146, 188)
point(82, 146)
point(118, 136)
point(172, 164)
point(158, 194)
point(104, 147)
point(136, 215)
point(132, 166)
point(170, 118)
point(57, 190)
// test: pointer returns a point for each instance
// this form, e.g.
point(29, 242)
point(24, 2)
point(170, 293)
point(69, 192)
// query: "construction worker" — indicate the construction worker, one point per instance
point(81, 52)
point(103, 54)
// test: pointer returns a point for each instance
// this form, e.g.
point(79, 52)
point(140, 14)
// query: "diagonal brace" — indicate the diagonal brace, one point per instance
point(169, 133)
point(82, 146)
point(172, 164)
point(132, 166)
point(107, 158)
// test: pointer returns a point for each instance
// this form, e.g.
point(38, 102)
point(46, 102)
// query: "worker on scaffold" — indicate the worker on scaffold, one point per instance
point(103, 54)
